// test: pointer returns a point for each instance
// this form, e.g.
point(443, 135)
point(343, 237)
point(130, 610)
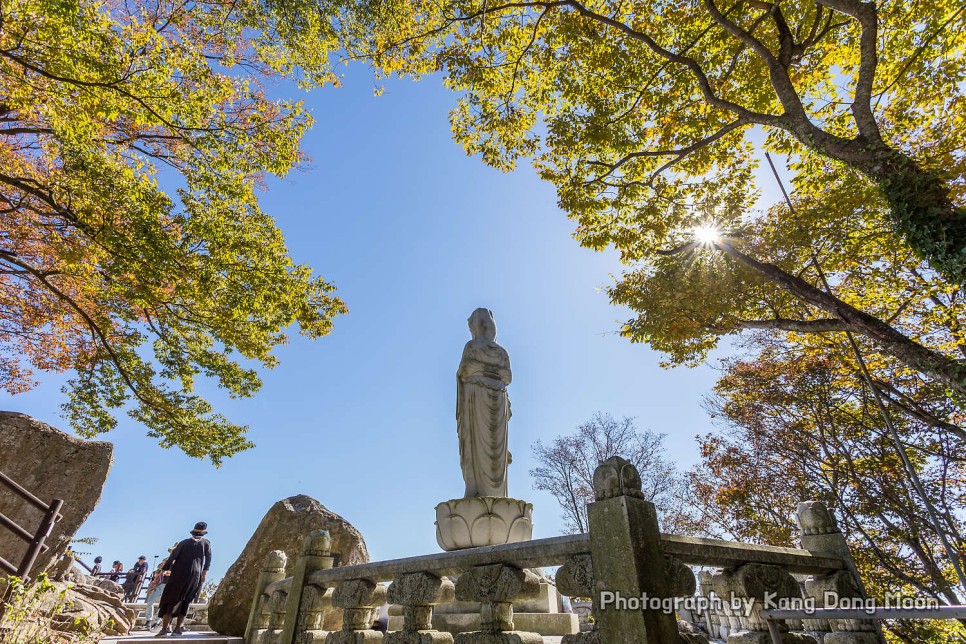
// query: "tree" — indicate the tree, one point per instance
point(636, 111)
point(827, 267)
point(136, 289)
point(566, 468)
point(795, 428)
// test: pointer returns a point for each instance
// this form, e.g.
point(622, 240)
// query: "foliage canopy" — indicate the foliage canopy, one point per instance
point(637, 111)
point(102, 271)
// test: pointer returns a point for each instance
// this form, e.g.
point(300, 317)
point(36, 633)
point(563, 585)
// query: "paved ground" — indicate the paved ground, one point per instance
point(201, 637)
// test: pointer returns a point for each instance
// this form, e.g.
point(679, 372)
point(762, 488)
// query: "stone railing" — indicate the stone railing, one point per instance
point(631, 572)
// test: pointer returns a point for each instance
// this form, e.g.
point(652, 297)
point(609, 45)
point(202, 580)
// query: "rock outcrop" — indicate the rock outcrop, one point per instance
point(284, 528)
point(51, 465)
point(89, 607)
point(58, 611)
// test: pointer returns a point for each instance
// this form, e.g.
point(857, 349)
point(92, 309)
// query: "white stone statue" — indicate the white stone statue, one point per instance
point(485, 516)
point(483, 409)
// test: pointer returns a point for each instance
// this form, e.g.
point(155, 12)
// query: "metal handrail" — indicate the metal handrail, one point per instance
point(876, 612)
point(34, 540)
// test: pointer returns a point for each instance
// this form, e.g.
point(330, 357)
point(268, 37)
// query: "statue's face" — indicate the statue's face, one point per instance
point(482, 325)
point(488, 328)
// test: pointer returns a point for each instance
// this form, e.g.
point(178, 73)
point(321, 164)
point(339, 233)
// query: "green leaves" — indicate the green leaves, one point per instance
point(139, 291)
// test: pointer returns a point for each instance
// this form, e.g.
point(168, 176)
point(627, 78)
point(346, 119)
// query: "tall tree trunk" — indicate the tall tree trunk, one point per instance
point(923, 212)
point(921, 209)
point(950, 372)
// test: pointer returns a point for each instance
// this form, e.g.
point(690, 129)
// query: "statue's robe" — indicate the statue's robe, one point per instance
point(482, 414)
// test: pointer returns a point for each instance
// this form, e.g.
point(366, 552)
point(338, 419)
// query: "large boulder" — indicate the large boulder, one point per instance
point(284, 528)
point(51, 465)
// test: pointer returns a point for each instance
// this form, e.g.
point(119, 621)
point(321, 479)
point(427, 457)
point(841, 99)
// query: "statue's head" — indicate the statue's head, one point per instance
point(482, 324)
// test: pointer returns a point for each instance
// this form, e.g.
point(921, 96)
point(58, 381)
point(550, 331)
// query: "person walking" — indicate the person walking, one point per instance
point(156, 586)
point(187, 567)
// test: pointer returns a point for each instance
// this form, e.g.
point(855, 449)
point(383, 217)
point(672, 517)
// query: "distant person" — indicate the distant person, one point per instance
point(141, 567)
point(117, 569)
point(188, 567)
point(134, 579)
point(156, 586)
point(96, 570)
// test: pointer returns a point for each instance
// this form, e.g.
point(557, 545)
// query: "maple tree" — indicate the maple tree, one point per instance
point(831, 265)
point(140, 290)
point(636, 111)
point(797, 426)
point(639, 114)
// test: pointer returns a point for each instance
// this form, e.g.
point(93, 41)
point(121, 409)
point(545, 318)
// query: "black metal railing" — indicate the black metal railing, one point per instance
point(35, 540)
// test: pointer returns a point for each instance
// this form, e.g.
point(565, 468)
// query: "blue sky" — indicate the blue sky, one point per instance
point(416, 235)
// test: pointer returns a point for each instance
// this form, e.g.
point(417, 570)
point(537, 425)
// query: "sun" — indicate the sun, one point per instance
point(706, 234)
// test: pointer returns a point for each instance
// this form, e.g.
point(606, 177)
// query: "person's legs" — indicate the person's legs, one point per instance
point(151, 600)
point(179, 627)
point(165, 620)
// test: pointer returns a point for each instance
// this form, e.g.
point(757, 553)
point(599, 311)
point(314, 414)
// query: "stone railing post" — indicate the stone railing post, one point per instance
point(625, 545)
point(359, 598)
point(417, 593)
point(751, 583)
point(821, 535)
point(272, 571)
point(681, 584)
point(711, 615)
point(496, 587)
point(576, 579)
point(315, 556)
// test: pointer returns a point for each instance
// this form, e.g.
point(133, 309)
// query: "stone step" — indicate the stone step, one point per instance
point(196, 637)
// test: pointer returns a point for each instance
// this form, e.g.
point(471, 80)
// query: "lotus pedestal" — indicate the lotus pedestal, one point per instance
point(482, 521)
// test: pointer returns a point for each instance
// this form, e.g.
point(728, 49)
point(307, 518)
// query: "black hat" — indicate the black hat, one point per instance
point(200, 528)
point(98, 559)
point(145, 557)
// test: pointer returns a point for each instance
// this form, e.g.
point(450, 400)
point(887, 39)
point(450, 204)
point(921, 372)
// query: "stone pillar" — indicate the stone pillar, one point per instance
point(359, 598)
point(417, 593)
point(576, 579)
point(272, 571)
point(751, 583)
point(683, 585)
point(315, 556)
point(625, 545)
point(821, 535)
point(496, 587)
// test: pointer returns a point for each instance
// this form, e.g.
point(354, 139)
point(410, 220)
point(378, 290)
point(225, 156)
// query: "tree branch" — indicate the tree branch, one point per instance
point(865, 14)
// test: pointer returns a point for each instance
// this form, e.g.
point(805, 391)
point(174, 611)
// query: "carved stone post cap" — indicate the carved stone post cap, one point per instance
point(318, 543)
point(420, 589)
point(754, 580)
point(814, 517)
point(274, 561)
point(617, 477)
point(358, 593)
point(496, 583)
point(576, 577)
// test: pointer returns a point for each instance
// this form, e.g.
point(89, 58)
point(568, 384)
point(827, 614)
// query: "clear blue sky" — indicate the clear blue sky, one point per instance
point(416, 235)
